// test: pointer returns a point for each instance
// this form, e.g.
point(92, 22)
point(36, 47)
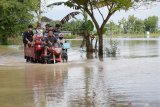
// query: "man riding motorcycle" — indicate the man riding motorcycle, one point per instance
point(49, 43)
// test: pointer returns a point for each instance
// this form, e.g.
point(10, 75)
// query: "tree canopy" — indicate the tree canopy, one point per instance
point(151, 23)
point(133, 25)
point(15, 15)
point(89, 6)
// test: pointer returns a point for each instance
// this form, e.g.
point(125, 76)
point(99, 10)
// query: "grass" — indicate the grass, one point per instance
point(71, 36)
point(152, 35)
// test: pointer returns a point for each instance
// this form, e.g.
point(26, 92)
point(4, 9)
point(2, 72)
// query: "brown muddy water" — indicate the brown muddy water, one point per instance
point(129, 80)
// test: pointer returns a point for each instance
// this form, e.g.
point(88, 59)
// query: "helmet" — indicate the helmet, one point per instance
point(60, 35)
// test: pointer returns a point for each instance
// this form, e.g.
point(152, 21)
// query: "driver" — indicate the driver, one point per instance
point(49, 41)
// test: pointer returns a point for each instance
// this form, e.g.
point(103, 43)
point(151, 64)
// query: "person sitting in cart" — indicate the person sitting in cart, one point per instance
point(39, 34)
point(57, 31)
point(51, 27)
point(28, 36)
point(39, 30)
point(47, 26)
point(61, 39)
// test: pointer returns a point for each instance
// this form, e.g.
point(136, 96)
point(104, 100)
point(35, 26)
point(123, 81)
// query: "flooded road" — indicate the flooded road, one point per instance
point(129, 80)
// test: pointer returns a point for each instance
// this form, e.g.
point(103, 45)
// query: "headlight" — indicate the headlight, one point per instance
point(58, 50)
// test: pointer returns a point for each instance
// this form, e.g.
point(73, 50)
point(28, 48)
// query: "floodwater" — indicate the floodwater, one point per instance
point(129, 80)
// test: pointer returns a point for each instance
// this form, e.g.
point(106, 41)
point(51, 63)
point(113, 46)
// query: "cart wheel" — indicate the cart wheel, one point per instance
point(52, 62)
point(42, 61)
point(33, 61)
point(49, 61)
point(45, 61)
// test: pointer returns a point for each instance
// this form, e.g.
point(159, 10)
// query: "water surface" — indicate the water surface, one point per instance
point(129, 80)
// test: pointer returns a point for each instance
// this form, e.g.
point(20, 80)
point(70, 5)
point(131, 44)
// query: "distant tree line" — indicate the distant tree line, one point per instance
point(133, 25)
point(75, 26)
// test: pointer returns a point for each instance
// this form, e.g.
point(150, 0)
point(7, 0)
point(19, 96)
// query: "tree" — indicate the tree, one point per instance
point(124, 25)
point(139, 26)
point(113, 28)
point(90, 5)
point(74, 25)
point(15, 16)
point(151, 24)
point(84, 28)
point(131, 23)
point(136, 25)
point(87, 28)
point(111, 7)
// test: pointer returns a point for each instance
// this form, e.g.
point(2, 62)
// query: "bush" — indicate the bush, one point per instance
point(112, 49)
point(15, 40)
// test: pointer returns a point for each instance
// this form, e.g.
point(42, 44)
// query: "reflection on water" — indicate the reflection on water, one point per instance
point(46, 84)
point(130, 80)
point(90, 84)
point(139, 48)
point(127, 48)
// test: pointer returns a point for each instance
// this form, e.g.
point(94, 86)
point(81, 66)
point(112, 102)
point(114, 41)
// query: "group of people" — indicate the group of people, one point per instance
point(48, 36)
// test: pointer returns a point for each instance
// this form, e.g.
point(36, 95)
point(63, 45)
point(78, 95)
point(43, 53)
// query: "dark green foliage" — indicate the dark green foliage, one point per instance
point(88, 25)
point(15, 15)
point(151, 24)
point(88, 6)
point(113, 28)
point(74, 25)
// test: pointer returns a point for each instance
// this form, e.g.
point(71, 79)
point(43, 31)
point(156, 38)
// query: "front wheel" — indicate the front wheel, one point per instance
point(33, 60)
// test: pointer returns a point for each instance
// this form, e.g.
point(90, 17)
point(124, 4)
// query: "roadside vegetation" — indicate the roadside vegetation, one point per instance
point(15, 15)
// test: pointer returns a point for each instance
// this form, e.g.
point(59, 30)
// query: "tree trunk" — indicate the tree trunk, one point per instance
point(83, 42)
point(89, 47)
point(95, 47)
point(100, 51)
point(89, 55)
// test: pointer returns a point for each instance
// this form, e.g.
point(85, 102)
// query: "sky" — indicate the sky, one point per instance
point(58, 12)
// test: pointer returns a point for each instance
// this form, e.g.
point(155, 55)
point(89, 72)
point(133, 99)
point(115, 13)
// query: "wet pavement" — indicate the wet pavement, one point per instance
point(129, 80)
